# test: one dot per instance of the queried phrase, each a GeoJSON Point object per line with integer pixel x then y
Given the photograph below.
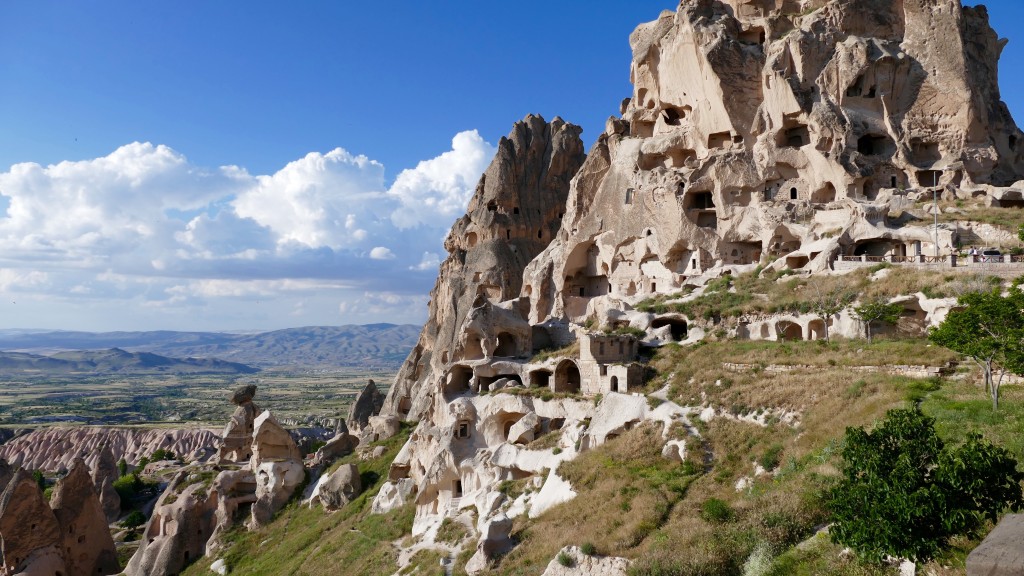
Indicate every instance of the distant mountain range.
{"type": "Point", "coordinates": [112, 362]}
{"type": "Point", "coordinates": [365, 346]}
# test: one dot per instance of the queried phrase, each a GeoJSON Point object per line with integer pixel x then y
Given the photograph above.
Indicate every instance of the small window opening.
{"type": "Point", "coordinates": [515, 210]}
{"type": "Point", "coordinates": [792, 193]}
{"type": "Point", "coordinates": [629, 195]}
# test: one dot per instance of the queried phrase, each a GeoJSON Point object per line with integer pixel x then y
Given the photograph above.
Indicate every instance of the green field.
{"type": "Point", "coordinates": [293, 396]}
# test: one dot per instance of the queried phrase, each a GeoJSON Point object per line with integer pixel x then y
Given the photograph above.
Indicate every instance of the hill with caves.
{"type": "Point", "coordinates": [626, 367]}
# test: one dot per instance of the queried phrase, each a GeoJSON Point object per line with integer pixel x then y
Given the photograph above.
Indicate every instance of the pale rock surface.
{"type": "Point", "coordinates": [393, 495]}
{"type": "Point", "coordinates": [87, 545]}
{"type": "Point", "coordinates": [555, 491]}
{"type": "Point", "coordinates": [583, 565]}
{"type": "Point", "coordinates": [366, 405]}
{"type": "Point", "coordinates": [340, 488]}
{"type": "Point", "coordinates": [236, 439]}
{"type": "Point", "coordinates": [494, 541]}
{"type": "Point", "coordinates": [54, 449]}
{"type": "Point", "coordinates": [341, 445]}
{"type": "Point", "coordinates": [1001, 552]}
{"type": "Point", "coordinates": [104, 474]}
{"type": "Point", "coordinates": [178, 530]}
{"type": "Point", "coordinates": [277, 464]}
{"type": "Point", "coordinates": [29, 528]}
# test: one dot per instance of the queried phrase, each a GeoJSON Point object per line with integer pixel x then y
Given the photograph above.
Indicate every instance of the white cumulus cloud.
{"type": "Point", "coordinates": [438, 190]}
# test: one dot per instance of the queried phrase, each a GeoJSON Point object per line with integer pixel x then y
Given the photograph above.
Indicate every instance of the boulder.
{"type": "Point", "coordinates": [87, 545]}
{"type": "Point", "coordinates": [366, 405]}
{"type": "Point", "coordinates": [341, 487]}
{"type": "Point", "coordinates": [494, 541]}
{"type": "Point", "coordinates": [393, 495]}
{"type": "Point", "coordinates": [341, 445]}
{"type": "Point", "coordinates": [384, 427]}
{"type": "Point", "coordinates": [29, 528]}
{"type": "Point", "coordinates": [243, 394]}
{"type": "Point", "coordinates": [582, 565]}
{"type": "Point", "coordinates": [522, 432]}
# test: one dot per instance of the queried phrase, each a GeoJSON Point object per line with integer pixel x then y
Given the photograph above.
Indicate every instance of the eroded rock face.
{"type": "Point", "coordinates": [31, 534]}
{"type": "Point", "coordinates": [104, 473]}
{"type": "Point", "coordinates": [277, 465]}
{"type": "Point", "coordinates": [516, 210]}
{"type": "Point", "coordinates": [182, 521]}
{"type": "Point", "coordinates": [341, 487]}
{"type": "Point", "coordinates": [87, 546]}
{"type": "Point", "coordinates": [366, 405]}
{"type": "Point", "coordinates": [236, 440]}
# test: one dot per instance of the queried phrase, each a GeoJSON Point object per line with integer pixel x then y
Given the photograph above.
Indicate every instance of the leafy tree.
{"type": "Point", "coordinates": [37, 475]}
{"type": "Point", "coordinates": [877, 310]}
{"type": "Point", "coordinates": [989, 329]}
{"type": "Point", "coordinates": [122, 467]}
{"type": "Point", "coordinates": [1020, 232]}
{"type": "Point", "coordinates": [904, 493]}
{"type": "Point", "coordinates": [134, 519]}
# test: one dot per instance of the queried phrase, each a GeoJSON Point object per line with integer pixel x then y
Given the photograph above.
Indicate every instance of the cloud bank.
{"type": "Point", "coordinates": [142, 238]}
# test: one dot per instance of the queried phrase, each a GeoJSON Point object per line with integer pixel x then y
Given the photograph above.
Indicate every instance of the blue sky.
{"type": "Point", "coordinates": [258, 165]}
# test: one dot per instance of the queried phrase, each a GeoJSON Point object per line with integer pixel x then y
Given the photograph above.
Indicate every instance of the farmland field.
{"type": "Point", "coordinates": [294, 397]}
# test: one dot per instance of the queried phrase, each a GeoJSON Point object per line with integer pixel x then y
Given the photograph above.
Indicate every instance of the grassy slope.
{"type": "Point", "coordinates": [633, 502]}
{"type": "Point", "coordinates": [302, 540]}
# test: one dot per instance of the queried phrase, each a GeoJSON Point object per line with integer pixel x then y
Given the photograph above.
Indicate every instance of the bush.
{"type": "Point", "coordinates": [905, 494]}
{"type": "Point", "coordinates": [588, 549]}
{"type": "Point", "coordinates": [134, 519]}
{"type": "Point", "coordinates": [716, 511]}
{"type": "Point", "coordinates": [565, 560]}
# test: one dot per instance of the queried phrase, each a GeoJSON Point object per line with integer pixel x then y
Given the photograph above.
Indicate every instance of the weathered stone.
{"type": "Point", "coordinates": [341, 445]}
{"type": "Point", "coordinates": [366, 405]}
{"type": "Point", "coordinates": [1001, 553]}
{"type": "Point", "coordinates": [243, 394]}
{"type": "Point", "coordinates": [277, 464]}
{"type": "Point", "coordinates": [236, 440]}
{"type": "Point", "coordinates": [494, 541]}
{"type": "Point", "coordinates": [28, 527]}
{"type": "Point", "coordinates": [177, 532]}
{"type": "Point", "coordinates": [581, 564]}
{"type": "Point", "coordinates": [87, 545]}
{"type": "Point", "coordinates": [341, 487]}
{"type": "Point", "coordinates": [515, 212]}
{"type": "Point", "coordinates": [104, 473]}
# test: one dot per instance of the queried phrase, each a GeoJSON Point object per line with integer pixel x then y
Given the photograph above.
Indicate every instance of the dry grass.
{"type": "Point", "coordinates": [772, 292]}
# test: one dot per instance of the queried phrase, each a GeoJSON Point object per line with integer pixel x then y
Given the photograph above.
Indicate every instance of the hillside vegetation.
{"type": "Point", "coordinates": [747, 499]}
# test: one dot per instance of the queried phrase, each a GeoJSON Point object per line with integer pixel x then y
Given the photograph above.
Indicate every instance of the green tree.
{"type": "Point", "coordinates": [989, 329]}
{"type": "Point", "coordinates": [904, 493]}
{"type": "Point", "coordinates": [827, 303]}
{"type": "Point", "coordinates": [37, 475]}
{"type": "Point", "coordinates": [1020, 232]}
{"type": "Point", "coordinates": [877, 310]}
{"type": "Point", "coordinates": [122, 467]}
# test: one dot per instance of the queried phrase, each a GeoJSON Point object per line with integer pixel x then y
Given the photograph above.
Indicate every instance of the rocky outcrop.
{"type": "Point", "coordinates": [277, 465]}
{"type": "Point", "coordinates": [31, 535]}
{"type": "Point", "coordinates": [236, 440]}
{"type": "Point", "coordinates": [342, 444]}
{"type": "Point", "coordinates": [86, 544]}
{"type": "Point", "coordinates": [182, 521]}
{"type": "Point", "coordinates": [514, 213]}
{"type": "Point", "coordinates": [104, 474]}
{"type": "Point", "coordinates": [366, 405]}
{"type": "Point", "coordinates": [55, 449]}
{"type": "Point", "coordinates": [340, 487]}
{"type": "Point", "coordinates": [580, 564]}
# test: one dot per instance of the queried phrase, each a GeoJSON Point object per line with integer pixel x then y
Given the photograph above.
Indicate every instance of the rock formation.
{"type": "Point", "coordinates": [71, 538]}
{"type": "Point", "coordinates": [514, 213]}
{"type": "Point", "coordinates": [86, 543]}
{"type": "Point", "coordinates": [340, 487]}
{"type": "Point", "coordinates": [366, 405]}
{"type": "Point", "coordinates": [55, 449]}
{"type": "Point", "coordinates": [277, 464]}
{"type": "Point", "coordinates": [104, 474]}
{"type": "Point", "coordinates": [794, 135]}
{"type": "Point", "coordinates": [182, 521]}
{"type": "Point", "coordinates": [236, 440]}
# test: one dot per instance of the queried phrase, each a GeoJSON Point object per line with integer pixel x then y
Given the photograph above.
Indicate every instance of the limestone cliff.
{"type": "Point", "coordinates": [514, 213]}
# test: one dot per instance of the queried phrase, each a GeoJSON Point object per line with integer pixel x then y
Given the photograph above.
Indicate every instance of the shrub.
{"type": "Point", "coordinates": [716, 511]}
{"type": "Point", "coordinates": [565, 560]}
{"type": "Point", "coordinates": [588, 548]}
{"type": "Point", "coordinates": [905, 494]}
{"type": "Point", "coordinates": [771, 457]}
{"type": "Point", "coordinates": [134, 519]}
